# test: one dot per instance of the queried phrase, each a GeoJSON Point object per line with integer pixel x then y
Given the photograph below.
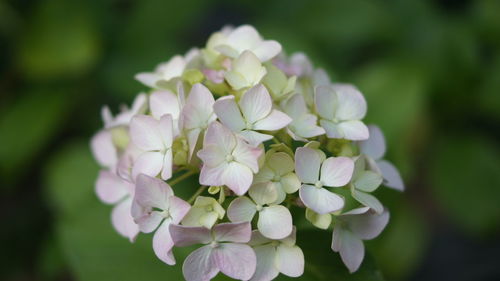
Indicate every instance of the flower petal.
{"type": "Point", "coordinates": [351, 248]}
{"type": "Point", "coordinates": [147, 78]}
{"type": "Point", "coordinates": [240, 232]}
{"type": "Point", "coordinates": [274, 121]}
{"type": "Point", "coordinates": [163, 244]}
{"type": "Point", "coordinates": [178, 208]}
{"type": "Point", "coordinates": [333, 131]}
{"type": "Point", "coordinates": [164, 102]}
{"type": "Point", "coordinates": [337, 171]}
{"type": "Point", "coordinates": [266, 269]}
{"type": "Point", "coordinates": [320, 200]}
{"type": "Point", "coordinates": [148, 163]}
{"type": "Point", "coordinates": [241, 209]}
{"type": "Point", "coordinates": [199, 265]}
{"type": "Point", "coordinates": [375, 145]}
{"type": "Point", "coordinates": [166, 172]}
{"type": "Point", "coordinates": [275, 222]}
{"type": "Point", "coordinates": [221, 136]}
{"type": "Point", "coordinates": [237, 177]}
{"type": "Point", "coordinates": [368, 181]}
{"type": "Point", "coordinates": [122, 220]}
{"type": "Point", "coordinates": [307, 163]}
{"type": "Point", "coordinates": [367, 226]}
{"type": "Point", "coordinates": [368, 200]}
{"type": "Point", "coordinates": [103, 149]}
{"type": "Point", "coordinates": [229, 114]}
{"type": "Point", "coordinates": [110, 188]}
{"type": "Point", "coordinates": [326, 102]}
{"type": "Point", "coordinates": [267, 50]}
{"type": "Point", "coordinates": [256, 104]}
{"type": "Point", "coordinates": [254, 138]}
{"type": "Point", "coordinates": [247, 155]}
{"type": "Point", "coordinates": [263, 193]}
{"type": "Point", "coordinates": [354, 130]}
{"type": "Point", "coordinates": [189, 235]}
{"type": "Point", "coordinates": [237, 261]}
{"type": "Point", "coordinates": [166, 130]}
{"type": "Point", "coordinates": [213, 175]}
{"type": "Point", "coordinates": [199, 107]}
{"type": "Point", "coordinates": [290, 183]}
{"type": "Point", "coordinates": [392, 178]}
{"type": "Point", "coordinates": [290, 260]}
{"type": "Point", "coordinates": [352, 104]}
{"type": "Point", "coordinates": [145, 133]}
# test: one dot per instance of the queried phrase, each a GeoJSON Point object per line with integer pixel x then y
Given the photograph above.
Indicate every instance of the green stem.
{"type": "Point", "coordinates": [276, 141]}
{"type": "Point", "coordinates": [196, 194]}
{"type": "Point", "coordinates": [181, 178]}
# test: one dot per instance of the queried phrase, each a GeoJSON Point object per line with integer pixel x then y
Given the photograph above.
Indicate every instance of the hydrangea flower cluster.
{"type": "Point", "coordinates": [264, 134]}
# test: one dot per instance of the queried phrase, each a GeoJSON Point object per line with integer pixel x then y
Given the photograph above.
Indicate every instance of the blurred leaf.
{"type": "Point", "coordinates": [465, 176]}
{"type": "Point", "coordinates": [61, 40]}
{"type": "Point", "coordinates": [26, 127]}
{"type": "Point", "coordinates": [489, 95]}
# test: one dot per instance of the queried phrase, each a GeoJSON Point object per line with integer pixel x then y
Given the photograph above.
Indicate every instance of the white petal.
{"type": "Point", "coordinates": [166, 129]}
{"type": "Point", "coordinates": [103, 149]}
{"type": "Point", "coordinates": [241, 209]}
{"type": "Point", "coordinates": [392, 178]}
{"type": "Point", "coordinates": [199, 265]}
{"type": "Point", "coordinates": [375, 145]}
{"type": "Point", "coordinates": [221, 136]}
{"type": "Point", "coordinates": [351, 248]}
{"type": "Point", "coordinates": [256, 104]}
{"type": "Point", "coordinates": [263, 193]}
{"type": "Point", "coordinates": [290, 183]}
{"type": "Point", "coordinates": [166, 172]}
{"type": "Point", "coordinates": [266, 269]}
{"type": "Point", "coordinates": [238, 177]}
{"type": "Point", "coordinates": [148, 163]}
{"type": "Point", "coordinates": [254, 138]}
{"type": "Point", "coordinates": [122, 220]}
{"type": "Point", "coordinates": [367, 226]}
{"type": "Point", "coordinates": [233, 232]}
{"type": "Point", "coordinates": [147, 78]}
{"type": "Point", "coordinates": [368, 200]}
{"type": "Point", "coordinates": [247, 155]}
{"type": "Point", "coordinates": [213, 175]}
{"type": "Point", "coordinates": [352, 104]}
{"type": "Point", "coordinates": [164, 102]}
{"type": "Point", "coordinates": [145, 133]}
{"type": "Point", "coordinates": [275, 222]}
{"type": "Point", "coordinates": [319, 221]}
{"type": "Point", "coordinates": [307, 164]}
{"type": "Point", "coordinates": [320, 200]}
{"type": "Point", "coordinates": [274, 121]}
{"type": "Point", "coordinates": [326, 102]}
{"type": "Point", "coordinates": [267, 50]}
{"type": "Point", "coordinates": [354, 130]}
{"type": "Point", "coordinates": [332, 130]}
{"type": "Point", "coordinates": [229, 114]}
{"type": "Point", "coordinates": [162, 244]}
{"type": "Point", "coordinates": [368, 181]}
{"type": "Point", "coordinates": [110, 188]}
{"type": "Point", "coordinates": [152, 192]}
{"type": "Point", "coordinates": [337, 171]}
{"type": "Point", "coordinates": [237, 261]}
{"type": "Point", "coordinates": [189, 235]}
{"type": "Point", "coordinates": [290, 260]}
{"type": "Point", "coordinates": [212, 155]}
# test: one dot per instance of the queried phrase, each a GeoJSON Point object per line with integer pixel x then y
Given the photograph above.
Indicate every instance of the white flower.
{"type": "Point", "coordinates": [278, 171]}
{"type": "Point", "coordinates": [304, 124]}
{"type": "Point", "coordinates": [374, 147]}
{"type": "Point", "coordinates": [246, 71]}
{"type": "Point", "coordinates": [335, 172]}
{"type": "Point", "coordinates": [154, 138]}
{"type": "Point", "coordinates": [253, 113]}
{"type": "Point", "coordinates": [275, 221]}
{"type": "Point", "coordinates": [353, 227]}
{"type": "Point", "coordinates": [341, 107]}
{"type": "Point", "coordinates": [205, 212]}
{"type": "Point", "coordinates": [227, 159]}
{"type": "Point", "coordinates": [123, 118]}
{"type": "Point", "coordinates": [245, 38]}
{"type": "Point", "coordinates": [163, 72]}
{"type": "Point", "coordinates": [197, 114]}
{"type": "Point", "coordinates": [363, 182]}
{"type": "Point", "coordinates": [275, 256]}
{"type": "Point", "coordinates": [162, 102]}
{"type": "Point", "coordinates": [154, 208]}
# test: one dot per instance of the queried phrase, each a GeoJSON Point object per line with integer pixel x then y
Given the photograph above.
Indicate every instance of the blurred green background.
{"type": "Point", "coordinates": [430, 71]}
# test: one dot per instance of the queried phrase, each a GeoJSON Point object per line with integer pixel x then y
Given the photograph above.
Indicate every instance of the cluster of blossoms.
{"type": "Point", "coordinates": [264, 134]}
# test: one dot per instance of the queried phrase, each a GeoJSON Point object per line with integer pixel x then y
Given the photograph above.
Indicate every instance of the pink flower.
{"type": "Point", "coordinates": [227, 159]}
{"type": "Point", "coordinates": [225, 251]}
{"type": "Point", "coordinates": [335, 172]}
{"type": "Point", "coordinates": [154, 208]}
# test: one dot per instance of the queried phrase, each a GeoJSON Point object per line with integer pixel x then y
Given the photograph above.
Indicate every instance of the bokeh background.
{"type": "Point", "coordinates": [430, 71]}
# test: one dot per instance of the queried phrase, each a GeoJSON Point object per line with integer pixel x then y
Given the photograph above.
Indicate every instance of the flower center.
{"type": "Point", "coordinates": [209, 208]}
{"type": "Point", "coordinates": [259, 208]}
{"type": "Point", "coordinates": [335, 120]}
{"type": "Point", "coordinates": [318, 184]}
{"type": "Point", "coordinates": [165, 214]}
{"type": "Point", "coordinates": [214, 244]}
{"type": "Point", "coordinates": [276, 178]}
{"type": "Point", "coordinates": [229, 158]}
{"type": "Point", "coordinates": [249, 126]}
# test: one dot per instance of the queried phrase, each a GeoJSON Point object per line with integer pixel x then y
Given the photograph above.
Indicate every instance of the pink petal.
{"type": "Point", "coordinates": [238, 177]}
{"type": "Point", "coordinates": [266, 269]}
{"type": "Point", "coordinates": [189, 235]}
{"type": "Point", "coordinates": [164, 102]}
{"type": "Point", "coordinates": [290, 260]}
{"type": "Point", "coordinates": [212, 155]}
{"type": "Point", "coordinates": [274, 121]}
{"type": "Point", "coordinates": [241, 209]}
{"type": "Point", "coordinates": [199, 107]}
{"type": "Point", "coordinates": [221, 136]}
{"type": "Point", "coordinates": [145, 134]}
{"type": "Point", "coordinates": [254, 138]}
{"type": "Point", "coordinates": [178, 209]}
{"type": "Point", "coordinates": [326, 102]}
{"type": "Point", "coordinates": [199, 265]}
{"type": "Point", "coordinates": [165, 128]}
{"type": "Point", "coordinates": [163, 244]}
{"type": "Point", "coordinates": [103, 149]}
{"type": "Point", "coordinates": [275, 222]}
{"type": "Point", "coordinates": [122, 220]}
{"type": "Point", "coordinates": [256, 104]}
{"type": "Point", "coordinates": [392, 178]}
{"type": "Point", "coordinates": [307, 163]}
{"type": "Point", "coordinates": [229, 114]}
{"type": "Point", "coordinates": [148, 163]}
{"type": "Point", "coordinates": [237, 261]}
{"type": "Point", "coordinates": [351, 248]}
{"type": "Point", "coordinates": [240, 232]}
{"type": "Point", "coordinates": [213, 175]}
{"type": "Point", "coordinates": [247, 155]}
{"type": "Point", "coordinates": [152, 192]}
{"type": "Point", "coordinates": [367, 226]}
{"type": "Point", "coordinates": [166, 172]}
{"type": "Point", "coordinates": [354, 130]}
{"type": "Point", "coordinates": [320, 200]}
{"type": "Point", "coordinates": [375, 145]}
{"type": "Point", "coordinates": [352, 104]}
{"type": "Point", "coordinates": [337, 171]}
{"type": "Point", "coordinates": [110, 188]}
